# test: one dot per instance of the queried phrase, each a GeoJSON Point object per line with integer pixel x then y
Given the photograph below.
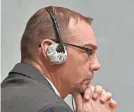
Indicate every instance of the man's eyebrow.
{"type": "Point", "coordinates": [91, 45]}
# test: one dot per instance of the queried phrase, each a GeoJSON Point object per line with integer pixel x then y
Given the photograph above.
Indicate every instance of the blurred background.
{"type": "Point", "coordinates": [114, 28]}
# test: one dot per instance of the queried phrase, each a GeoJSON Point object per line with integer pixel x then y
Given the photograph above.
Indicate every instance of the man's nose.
{"type": "Point", "coordinates": [95, 65]}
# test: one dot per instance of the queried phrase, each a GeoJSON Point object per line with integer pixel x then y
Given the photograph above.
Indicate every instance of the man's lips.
{"type": "Point", "coordinates": [91, 77]}
{"type": "Point", "coordinates": [87, 81]}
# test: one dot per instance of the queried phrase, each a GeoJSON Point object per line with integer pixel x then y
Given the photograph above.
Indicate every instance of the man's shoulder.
{"type": "Point", "coordinates": [21, 93]}
{"type": "Point", "coordinates": [23, 86]}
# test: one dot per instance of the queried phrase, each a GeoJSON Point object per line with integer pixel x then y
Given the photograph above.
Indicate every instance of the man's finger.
{"type": "Point", "coordinates": [113, 104]}
{"type": "Point", "coordinates": [78, 100]}
{"type": "Point", "coordinates": [88, 93]}
{"type": "Point", "coordinates": [97, 92]}
{"type": "Point", "coordinates": [105, 97]}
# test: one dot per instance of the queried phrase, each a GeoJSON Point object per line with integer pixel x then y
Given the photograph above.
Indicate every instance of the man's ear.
{"type": "Point", "coordinates": [44, 46]}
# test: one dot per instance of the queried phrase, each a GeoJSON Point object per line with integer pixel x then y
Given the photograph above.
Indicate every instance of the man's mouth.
{"type": "Point", "coordinates": [87, 81]}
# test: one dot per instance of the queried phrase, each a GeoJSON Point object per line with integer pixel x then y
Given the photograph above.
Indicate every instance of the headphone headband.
{"type": "Point", "coordinates": [60, 48]}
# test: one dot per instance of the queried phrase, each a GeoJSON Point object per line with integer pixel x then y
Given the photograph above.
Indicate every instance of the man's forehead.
{"type": "Point", "coordinates": [83, 34]}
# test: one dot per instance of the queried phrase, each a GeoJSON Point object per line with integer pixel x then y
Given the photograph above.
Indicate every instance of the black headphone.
{"type": "Point", "coordinates": [56, 52]}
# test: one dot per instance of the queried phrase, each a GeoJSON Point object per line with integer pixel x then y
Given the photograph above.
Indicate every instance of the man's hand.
{"type": "Point", "coordinates": [99, 92]}
{"type": "Point", "coordinates": [95, 99]}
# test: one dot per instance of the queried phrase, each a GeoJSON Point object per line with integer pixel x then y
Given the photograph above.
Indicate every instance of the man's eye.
{"type": "Point", "coordinates": [90, 51]}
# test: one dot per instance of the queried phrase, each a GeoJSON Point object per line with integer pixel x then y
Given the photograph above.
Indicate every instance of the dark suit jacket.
{"type": "Point", "coordinates": [26, 90]}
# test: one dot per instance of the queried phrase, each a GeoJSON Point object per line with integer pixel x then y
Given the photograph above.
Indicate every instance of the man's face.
{"type": "Point", "coordinates": [80, 67]}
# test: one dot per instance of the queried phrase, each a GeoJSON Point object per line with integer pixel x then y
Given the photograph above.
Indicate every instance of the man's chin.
{"type": "Point", "coordinates": [82, 89]}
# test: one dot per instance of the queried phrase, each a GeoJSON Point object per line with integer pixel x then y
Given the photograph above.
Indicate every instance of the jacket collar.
{"type": "Point", "coordinates": [31, 72]}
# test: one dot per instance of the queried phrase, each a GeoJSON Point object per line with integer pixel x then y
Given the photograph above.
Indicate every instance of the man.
{"type": "Point", "coordinates": [58, 57]}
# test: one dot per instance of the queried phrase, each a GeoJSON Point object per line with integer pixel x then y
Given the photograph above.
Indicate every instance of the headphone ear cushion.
{"type": "Point", "coordinates": [54, 56]}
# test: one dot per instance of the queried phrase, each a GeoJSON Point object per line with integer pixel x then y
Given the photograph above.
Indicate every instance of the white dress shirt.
{"type": "Point", "coordinates": [56, 91]}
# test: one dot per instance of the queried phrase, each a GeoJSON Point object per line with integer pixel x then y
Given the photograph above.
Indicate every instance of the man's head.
{"type": "Point", "coordinates": [77, 71]}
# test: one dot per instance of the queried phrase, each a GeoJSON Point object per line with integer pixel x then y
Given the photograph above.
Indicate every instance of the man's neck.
{"type": "Point", "coordinates": [52, 76]}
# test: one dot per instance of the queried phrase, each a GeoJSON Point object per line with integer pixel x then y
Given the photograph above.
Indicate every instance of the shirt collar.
{"type": "Point", "coordinates": [56, 91]}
